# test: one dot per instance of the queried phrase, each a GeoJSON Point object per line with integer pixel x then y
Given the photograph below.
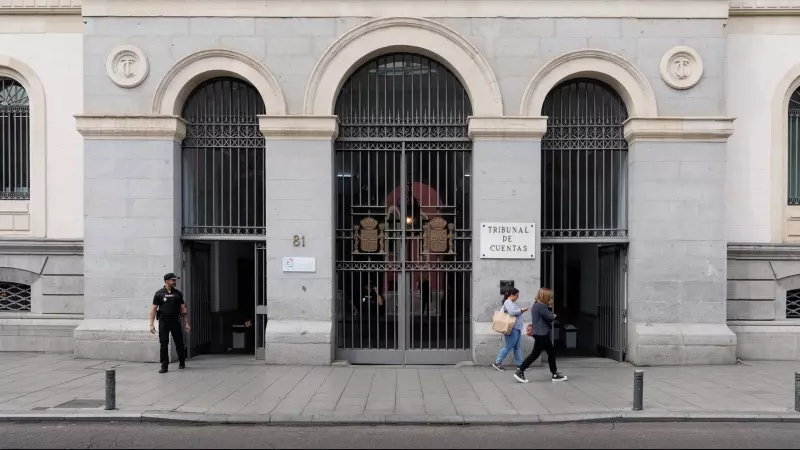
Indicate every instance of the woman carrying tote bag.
{"type": "Point", "coordinates": [513, 338]}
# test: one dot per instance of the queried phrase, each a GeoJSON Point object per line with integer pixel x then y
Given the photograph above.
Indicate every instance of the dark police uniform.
{"type": "Point", "coordinates": [169, 322]}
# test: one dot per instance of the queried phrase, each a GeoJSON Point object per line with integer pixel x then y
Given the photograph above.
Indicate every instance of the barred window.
{"type": "Point", "coordinates": [14, 140]}
{"type": "Point", "coordinates": [794, 148]}
{"type": "Point", "coordinates": [14, 297]}
{"type": "Point", "coordinates": [793, 304]}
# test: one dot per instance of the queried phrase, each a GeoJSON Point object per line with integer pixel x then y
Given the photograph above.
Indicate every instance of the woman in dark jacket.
{"type": "Point", "coordinates": [542, 321]}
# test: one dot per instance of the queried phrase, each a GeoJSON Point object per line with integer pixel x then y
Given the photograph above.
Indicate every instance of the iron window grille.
{"type": "Point", "coordinates": [584, 163]}
{"type": "Point", "coordinates": [793, 304]}
{"type": "Point", "coordinates": [15, 297]}
{"type": "Point", "coordinates": [14, 141]}
{"type": "Point", "coordinates": [223, 161]}
{"type": "Point", "coordinates": [793, 184]}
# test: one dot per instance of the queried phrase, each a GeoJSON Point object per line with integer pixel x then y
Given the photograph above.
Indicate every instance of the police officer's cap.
{"type": "Point", "coordinates": [170, 276]}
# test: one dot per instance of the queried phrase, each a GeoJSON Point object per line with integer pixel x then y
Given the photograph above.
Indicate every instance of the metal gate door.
{"type": "Point", "coordinates": [403, 234]}
{"type": "Point", "coordinates": [198, 297]}
{"type": "Point", "coordinates": [611, 308]}
{"type": "Point", "coordinates": [261, 297]}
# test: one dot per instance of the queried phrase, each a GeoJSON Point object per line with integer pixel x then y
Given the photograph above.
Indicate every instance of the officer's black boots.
{"type": "Point", "coordinates": [163, 369]}
{"type": "Point", "coordinates": [182, 366]}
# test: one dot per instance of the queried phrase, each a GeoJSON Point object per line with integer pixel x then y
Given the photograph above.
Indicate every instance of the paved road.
{"type": "Point", "coordinates": [680, 435]}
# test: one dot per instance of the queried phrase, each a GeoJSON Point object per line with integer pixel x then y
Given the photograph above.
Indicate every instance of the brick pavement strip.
{"type": "Point", "coordinates": [231, 390]}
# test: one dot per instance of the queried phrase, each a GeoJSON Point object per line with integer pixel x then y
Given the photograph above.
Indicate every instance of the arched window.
{"type": "Point", "coordinates": [794, 149]}
{"type": "Point", "coordinates": [223, 160]}
{"type": "Point", "coordinates": [14, 297]}
{"type": "Point", "coordinates": [584, 163]}
{"type": "Point", "coordinates": [14, 140]}
{"type": "Point", "coordinates": [793, 304]}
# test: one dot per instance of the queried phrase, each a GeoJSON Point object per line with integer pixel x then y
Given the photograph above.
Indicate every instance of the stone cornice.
{"type": "Point", "coordinates": [653, 9]}
{"type": "Point", "coordinates": [299, 127]}
{"type": "Point", "coordinates": [507, 128]}
{"type": "Point", "coordinates": [21, 246]}
{"type": "Point", "coordinates": [781, 252]}
{"type": "Point", "coordinates": [131, 127]}
{"type": "Point", "coordinates": [670, 129]}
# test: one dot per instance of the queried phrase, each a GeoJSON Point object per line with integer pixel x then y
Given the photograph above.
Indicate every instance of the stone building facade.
{"type": "Point", "coordinates": [360, 154]}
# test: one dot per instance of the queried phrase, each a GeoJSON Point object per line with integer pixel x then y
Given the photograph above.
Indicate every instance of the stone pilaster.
{"type": "Point", "coordinates": [299, 161]}
{"type": "Point", "coordinates": [131, 230]}
{"type": "Point", "coordinates": [506, 186]}
{"type": "Point", "coordinates": [677, 256]}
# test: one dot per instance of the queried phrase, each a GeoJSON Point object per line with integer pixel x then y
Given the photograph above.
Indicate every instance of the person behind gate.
{"type": "Point", "coordinates": [168, 307]}
{"type": "Point", "coordinates": [513, 341]}
{"type": "Point", "coordinates": [542, 322]}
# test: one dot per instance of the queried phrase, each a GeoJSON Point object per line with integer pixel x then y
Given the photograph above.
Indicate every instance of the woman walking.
{"type": "Point", "coordinates": [513, 341]}
{"type": "Point", "coordinates": [542, 321]}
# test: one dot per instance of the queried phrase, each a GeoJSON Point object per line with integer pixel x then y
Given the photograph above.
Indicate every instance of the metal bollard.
{"type": "Point", "coordinates": [111, 389]}
{"type": "Point", "coordinates": [797, 391]}
{"type": "Point", "coordinates": [638, 390]}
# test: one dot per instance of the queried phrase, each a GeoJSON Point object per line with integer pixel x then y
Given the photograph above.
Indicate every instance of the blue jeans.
{"type": "Point", "coordinates": [513, 342]}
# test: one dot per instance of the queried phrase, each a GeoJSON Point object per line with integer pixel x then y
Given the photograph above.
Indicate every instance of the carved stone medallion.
{"type": "Point", "coordinates": [681, 68]}
{"type": "Point", "coordinates": [127, 66]}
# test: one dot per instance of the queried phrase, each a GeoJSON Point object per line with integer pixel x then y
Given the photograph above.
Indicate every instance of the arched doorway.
{"type": "Point", "coordinates": [403, 214]}
{"type": "Point", "coordinates": [584, 215]}
{"type": "Point", "coordinates": [223, 217]}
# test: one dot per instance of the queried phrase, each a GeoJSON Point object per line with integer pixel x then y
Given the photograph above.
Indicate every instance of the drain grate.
{"type": "Point", "coordinates": [82, 403]}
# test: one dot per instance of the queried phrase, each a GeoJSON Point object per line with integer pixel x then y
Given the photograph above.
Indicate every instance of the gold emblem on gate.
{"type": "Point", "coordinates": [369, 237]}
{"type": "Point", "coordinates": [437, 237]}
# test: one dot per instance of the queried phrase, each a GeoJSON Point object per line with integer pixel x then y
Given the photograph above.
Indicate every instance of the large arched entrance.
{"type": "Point", "coordinates": [223, 217]}
{"type": "Point", "coordinates": [584, 215]}
{"type": "Point", "coordinates": [403, 201]}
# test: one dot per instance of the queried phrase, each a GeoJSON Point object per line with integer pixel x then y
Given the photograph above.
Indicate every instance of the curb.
{"type": "Point", "coordinates": [394, 420]}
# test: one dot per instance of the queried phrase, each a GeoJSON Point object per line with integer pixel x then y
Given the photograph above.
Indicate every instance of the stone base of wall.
{"type": "Point", "coordinates": [487, 343]}
{"type": "Point", "coordinates": [117, 340]}
{"type": "Point", "coordinates": [37, 333]}
{"type": "Point", "coordinates": [54, 271]}
{"type": "Point", "coordinates": [767, 340]}
{"type": "Point", "coordinates": [759, 276]}
{"type": "Point", "coordinates": [297, 342]}
{"type": "Point", "coordinates": [680, 344]}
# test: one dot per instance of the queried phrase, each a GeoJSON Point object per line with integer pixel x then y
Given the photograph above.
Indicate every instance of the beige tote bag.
{"type": "Point", "coordinates": [503, 322]}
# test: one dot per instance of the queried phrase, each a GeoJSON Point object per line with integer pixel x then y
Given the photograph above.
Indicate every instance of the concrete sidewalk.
{"type": "Point", "coordinates": [239, 390]}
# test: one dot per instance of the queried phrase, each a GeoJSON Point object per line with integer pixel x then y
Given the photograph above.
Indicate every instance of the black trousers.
{"type": "Point", "coordinates": [171, 325]}
{"type": "Point", "coordinates": [541, 344]}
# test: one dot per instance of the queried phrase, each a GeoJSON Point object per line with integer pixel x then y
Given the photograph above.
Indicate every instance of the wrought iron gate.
{"type": "Point", "coordinates": [223, 162]}
{"type": "Point", "coordinates": [261, 297]}
{"type": "Point", "coordinates": [198, 297]}
{"type": "Point", "coordinates": [403, 234]}
{"type": "Point", "coordinates": [611, 309]}
{"type": "Point", "coordinates": [584, 164]}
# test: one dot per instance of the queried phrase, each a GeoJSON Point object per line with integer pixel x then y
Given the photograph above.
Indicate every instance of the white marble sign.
{"type": "Point", "coordinates": [299, 264]}
{"type": "Point", "coordinates": [501, 240]}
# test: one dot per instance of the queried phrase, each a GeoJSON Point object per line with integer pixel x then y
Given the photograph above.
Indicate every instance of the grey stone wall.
{"type": "Point", "coordinates": [54, 270]}
{"type": "Point", "coordinates": [132, 230]}
{"type": "Point", "coordinates": [677, 257]}
{"type": "Point", "coordinates": [506, 187]}
{"type": "Point", "coordinates": [515, 49]}
{"type": "Point", "coordinates": [299, 202]}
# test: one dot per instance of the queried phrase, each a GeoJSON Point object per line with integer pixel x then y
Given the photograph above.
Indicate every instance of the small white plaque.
{"type": "Point", "coordinates": [501, 240]}
{"type": "Point", "coordinates": [299, 264]}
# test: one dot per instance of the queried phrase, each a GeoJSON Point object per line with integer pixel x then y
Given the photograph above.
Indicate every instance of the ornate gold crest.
{"type": "Point", "coordinates": [369, 237]}
{"type": "Point", "coordinates": [437, 236]}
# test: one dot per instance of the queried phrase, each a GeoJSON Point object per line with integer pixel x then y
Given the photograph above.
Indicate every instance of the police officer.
{"type": "Point", "coordinates": [168, 306]}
